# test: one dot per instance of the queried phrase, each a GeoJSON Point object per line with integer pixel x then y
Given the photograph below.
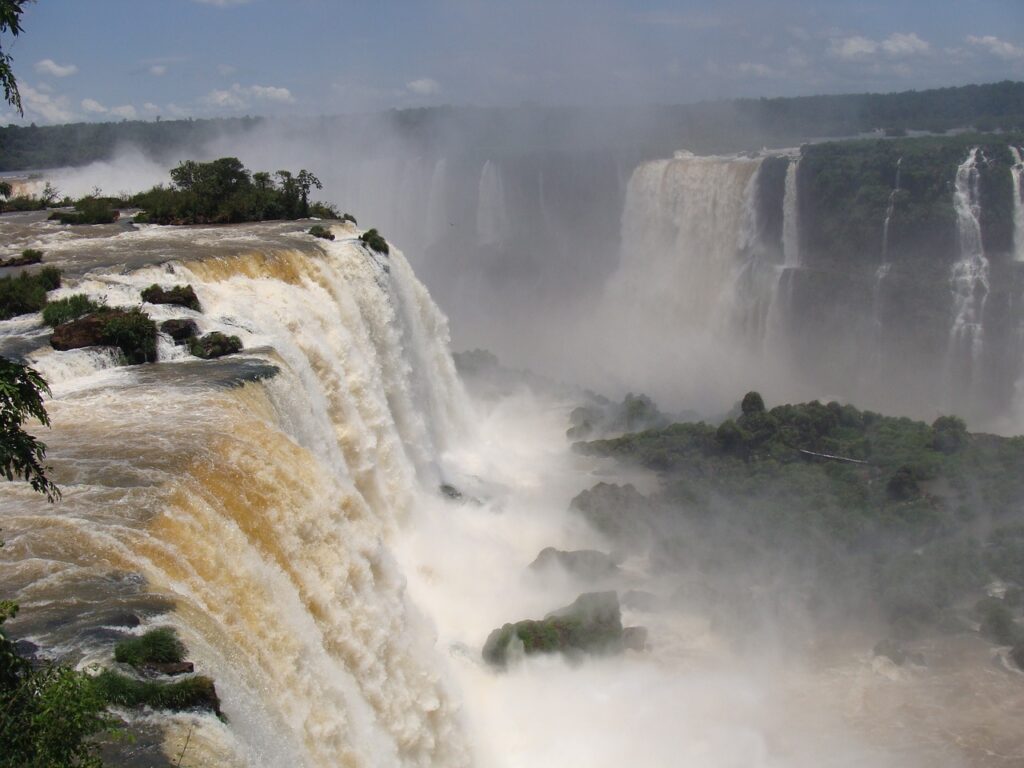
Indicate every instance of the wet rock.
{"type": "Point", "coordinates": [1017, 654]}
{"type": "Point", "coordinates": [214, 345]}
{"type": "Point", "coordinates": [584, 563]}
{"type": "Point", "coordinates": [180, 295]}
{"type": "Point", "coordinates": [84, 332]}
{"type": "Point", "coordinates": [634, 638]}
{"type": "Point", "coordinates": [26, 649]}
{"type": "Point", "coordinates": [180, 330]}
{"type": "Point", "coordinates": [450, 491]}
{"type": "Point", "coordinates": [169, 669]}
{"type": "Point", "coordinates": [592, 624]}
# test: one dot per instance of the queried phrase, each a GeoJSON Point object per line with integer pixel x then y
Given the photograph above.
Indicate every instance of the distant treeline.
{"type": "Point", "coordinates": [645, 131]}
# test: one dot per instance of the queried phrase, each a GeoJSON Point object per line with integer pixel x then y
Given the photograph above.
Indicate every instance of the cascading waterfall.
{"type": "Point", "coordinates": [1017, 173]}
{"type": "Point", "coordinates": [970, 275]}
{"type": "Point", "coordinates": [261, 511]}
{"type": "Point", "coordinates": [888, 213]}
{"type": "Point", "coordinates": [492, 224]}
{"type": "Point", "coordinates": [791, 217]}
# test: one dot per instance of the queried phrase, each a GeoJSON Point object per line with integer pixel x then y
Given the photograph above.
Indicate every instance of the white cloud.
{"type": "Point", "coordinates": [127, 111]}
{"type": "Point", "coordinates": [50, 109]}
{"type": "Point", "coordinates": [239, 96]}
{"type": "Point", "coordinates": [158, 70]}
{"type": "Point", "coordinates": [424, 86]}
{"type": "Point", "coordinates": [149, 106]}
{"type": "Point", "coordinates": [896, 45]}
{"type": "Point", "coordinates": [52, 68]}
{"type": "Point", "coordinates": [91, 105]}
{"type": "Point", "coordinates": [900, 44]}
{"type": "Point", "coordinates": [1000, 48]}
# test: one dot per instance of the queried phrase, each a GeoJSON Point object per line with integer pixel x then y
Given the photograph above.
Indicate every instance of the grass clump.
{"type": "Point", "coordinates": [157, 646]}
{"type": "Point", "coordinates": [28, 256]}
{"type": "Point", "coordinates": [180, 295]}
{"type": "Point", "coordinates": [25, 293]}
{"type": "Point", "coordinates": [65, 310]}
{"type": "Point", "coordinates": [192, 693]}
{"type": "Point", "coordinates": [133, 333]}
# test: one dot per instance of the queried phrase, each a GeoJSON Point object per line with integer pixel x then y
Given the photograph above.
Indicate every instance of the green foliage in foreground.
{"type": "Point", "coordinates": [67, 309]}
{"type": "Point", "coordinates": [48, 713]}
{"type": "Point", "coordinates": [157, 646]}
{"type": "Point", "coordinates": [21, 454]}
{"type": "Point", "coordinates": [375, 241]}
{"type": "Point", "coordinates": [25, 292]}
{"type": "Point", "coordinates": [885, 507]}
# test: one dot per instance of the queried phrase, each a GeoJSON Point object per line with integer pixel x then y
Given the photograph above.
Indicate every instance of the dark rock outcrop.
{"type": "Point", "coordinates": [215, 344]}
{"type": "Point", "coordinates": [129, 330]}
{"type": "Point", "coordinates": [180, 295]}
{"type": "Point", "coordinates": [584, 563]}
{"type": "Point", "coordinates": [620, 512]}
{"type": "Point", "coordinates": [180, 329]}
{"type": "Point", "coordinates": [592, 624]}
{"type": "Point", "coordinates": [169, 668]}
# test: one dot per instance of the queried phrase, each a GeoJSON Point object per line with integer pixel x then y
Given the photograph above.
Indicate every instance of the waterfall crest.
{"type": "Point", "coordinates": [263, 509]}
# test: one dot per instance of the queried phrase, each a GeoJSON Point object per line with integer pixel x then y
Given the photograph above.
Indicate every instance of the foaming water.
{"type": "Point", "coordinates": [260, 508]}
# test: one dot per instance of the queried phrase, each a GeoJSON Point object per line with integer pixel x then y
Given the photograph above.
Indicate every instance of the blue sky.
{"type": "Point", "coordinates": [115, 59]}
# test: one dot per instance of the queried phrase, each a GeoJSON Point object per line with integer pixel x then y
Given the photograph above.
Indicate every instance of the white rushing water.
{"type": "Point", "coordinates": [1017, 174]}
{"type": "Point", "coordinates": [791, 217]}
{"type": "Point", "coordinates": [492, 224]}
{"type": "Point", "coordinates": [970, 274]}
{"type": "Point", "coordinates": [264, 512]}
{"type": "Point", "coordinates": [889, 210]}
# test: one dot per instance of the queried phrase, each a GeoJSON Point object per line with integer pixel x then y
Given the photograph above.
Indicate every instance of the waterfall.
{"type": "Point", "coordinates": [791, 217]}
{"type": "Point", "coordinates": [1017, 172]}
{"type": "Point", "coordinates": [262, 509]}
{"type": "Point", "coordinates": [969, 279]}
{"type": "Point", "coordinates": [492, 224]}
{"type": "Point", "coordinates": [888, 213]}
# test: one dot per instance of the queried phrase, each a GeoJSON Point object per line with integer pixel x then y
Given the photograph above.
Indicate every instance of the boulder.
{"type": "Point", "coordinates": [215, 344]}
{"type": "Point", "coordinates": [180, 329]}
{"type": "Point", "coordinates": [129, 330]}
{"type": "Point", "coordinates": [584, 563]}
{"type": "Point", "coordinates": [169, 668]}
{"type": "Point", "coordinates": [84, 332]}
{"type": "Point", "coordinates": [180, 295]}
{"type": "Point", "coordinates": [592, 624]}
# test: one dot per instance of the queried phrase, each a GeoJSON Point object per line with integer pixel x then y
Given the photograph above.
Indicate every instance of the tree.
{"type": "Point", "coordinates": [306, 181]}
{"type": "Point", "coordinates": [10, 21]}
{"type": "Point", "coordinates": [21, 454]}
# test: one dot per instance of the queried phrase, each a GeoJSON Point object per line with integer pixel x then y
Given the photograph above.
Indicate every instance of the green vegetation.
{"type": "Point", "coordinates": [25, 292]}
{"type": "Point", "coordinates": [886, 501]}
{"type": "Point", "coordinates": [375, 241]}
{"type": "Point", "coordinates": [65, 310]}
{"type": "Point", "coordinates": [845, 189]}
{"type": "Point", "coordinates": [180, 295]}
{"type": "Point", "coordinates": [157, 646]}
{"type": "Point", "coordinates": [48, 713]}
{"type": "Point", "coordinates": [215, 344]}
{"type": "Point", "coordinates": [322, 232]}
{"type": "Point", "coordinates": [21, 399]}
{"type": "Point", "coordinates": [132, 332]}
{"type": "Point", "coordinates": [89, 210]}
{"type": "Point", "coordinates": [224, 191]}
{"type": "Point", "coordinates": [191, 693]}
{"type": "Point", "coordinates": [592, 624]}
{"type": "Point", "coordinates": [28, 256]}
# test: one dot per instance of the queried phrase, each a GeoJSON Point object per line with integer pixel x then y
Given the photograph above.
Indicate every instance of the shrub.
{"type": "Point", "coordinates": [180, 295]}
{"type": "Point", "coordinates": [215, 344]}
{"type": "Point", "coordinates": [349, 217]}
{"type": "Point", "coordinates": [134, 333]}
{"type": "Point", "coordinates": [752, 403]}
{"type": "Point", "coordinates": [88, 210]}
{"type": "Point", "coordinates": [157, 646]}
{"type": "Point", "coordinates": [65, 310]}
{"type": "Point", "coordinates": [322, 232]}
{"type": "Point", "coordinates": [24, 203]}
{"type": "Point", "coordinates": [25, 293]}
{"type": "Point", "coordinates": [949, 434]}
{"type": "Point", "coordinates": [373, 240]}
{"type": "Point", "coordinates": [323, 211]}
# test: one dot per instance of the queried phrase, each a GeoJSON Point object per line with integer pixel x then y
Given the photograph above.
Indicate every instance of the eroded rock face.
{"type": "Point", "coordinates": [131, 331]}
{"type": "Point", "coordinates": [620, 512]}
{"type": "Point", "coordinates": [592, 624]}
{"type": "Point", "coordinates": [583, 563]}
{"type": "Point", "coordinates": [84, 332]}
